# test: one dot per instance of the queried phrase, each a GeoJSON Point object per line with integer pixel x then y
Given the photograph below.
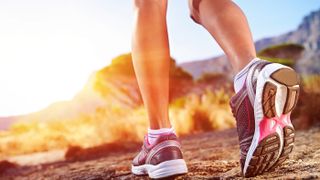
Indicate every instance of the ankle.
{"type": "Point", "coordinates": [241, 76]}
{"type": "Point", "coordinates": [154, 134]}
{"type": "Point", "coordinates": [159, 123]}
{"type": "Point", "coordinates": [242, 62]}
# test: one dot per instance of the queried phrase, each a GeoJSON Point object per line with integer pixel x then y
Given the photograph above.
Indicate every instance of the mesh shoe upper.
{"type": "Point", "coordinates": [165, 148]}
{"type": "Point", "coordinates": [244, 115]}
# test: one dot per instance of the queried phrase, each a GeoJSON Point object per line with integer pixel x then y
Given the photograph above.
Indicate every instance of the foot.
{"type": "Point", "coordinates": [262, 110]}
{"type": "Point", "coordinates": [161, 159]}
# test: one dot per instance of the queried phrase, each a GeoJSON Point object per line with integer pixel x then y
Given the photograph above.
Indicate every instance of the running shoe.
{"type": "Point", "coordinates": [262, 110]}
{"type": "Point", "coordinates": [161, 159]}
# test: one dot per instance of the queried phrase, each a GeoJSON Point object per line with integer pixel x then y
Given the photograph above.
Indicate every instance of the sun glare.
{"type": "Point", "coordinates": [38, 73]}
{"type": "Point", "coordinates": [48, 51]}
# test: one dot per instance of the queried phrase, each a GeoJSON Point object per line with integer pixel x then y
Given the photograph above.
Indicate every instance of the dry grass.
{"type": "Point", "coordinates": [307, 112]}
{"type": "Point", "coordinates": [209, 111]}
{"type": "Point", "coordinates": [311, 83]}
{"type": "Point", "coordinates": [189, 114]}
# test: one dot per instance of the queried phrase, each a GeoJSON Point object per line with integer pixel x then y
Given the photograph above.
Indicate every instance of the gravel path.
{"type": "Point", "coordinates": [212, 155]}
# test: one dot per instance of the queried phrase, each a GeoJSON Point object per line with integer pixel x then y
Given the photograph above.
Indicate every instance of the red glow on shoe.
{"type": "Point", "coordinates": [269, 125]}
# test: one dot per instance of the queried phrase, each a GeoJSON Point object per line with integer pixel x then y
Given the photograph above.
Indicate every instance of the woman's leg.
{"type": "Point", "coordinates": [258, 129]}
{"type": "Point", "coordinates": [228, 25]}
{"type": "Point", "coordinates": [151, 59]}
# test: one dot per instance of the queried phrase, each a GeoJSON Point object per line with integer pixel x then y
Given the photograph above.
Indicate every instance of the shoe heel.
{"type": "Point", "coordinates": [168, 168]}
{"type": "Point", "coordinates": [280, 94]}
{"type": "Point", "coordinates": [280, 97]}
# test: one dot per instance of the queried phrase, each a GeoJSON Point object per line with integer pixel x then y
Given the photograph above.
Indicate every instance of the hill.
{"type": "Point", "coordinates": [109, 108]}
{"type": "Point", "coordinates": [112, 86]}
{"type": "Point", "coordinates": [307, 35]}
{"type": "Point", "coordinates": [218, 65]}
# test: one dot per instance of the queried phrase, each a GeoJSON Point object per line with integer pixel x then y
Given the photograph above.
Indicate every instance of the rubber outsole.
{"type": "Point", "coordinates": [264, 155]}
{"type": "Point", "coordinates": [272, 150]}
{"type": "Point", "coordinates": [165, 169]}
{"type": "Point", "coordinates": [289, 138]}
{"type": "Point", "coordinates": [289, 79]}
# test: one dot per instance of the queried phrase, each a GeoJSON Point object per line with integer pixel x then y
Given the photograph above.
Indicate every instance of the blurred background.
{"type": "Point", "coordinates": [66, 75]}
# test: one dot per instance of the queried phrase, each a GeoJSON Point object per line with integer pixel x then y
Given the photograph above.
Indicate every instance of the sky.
{"type": "Point", "coordinates": [48, 49]}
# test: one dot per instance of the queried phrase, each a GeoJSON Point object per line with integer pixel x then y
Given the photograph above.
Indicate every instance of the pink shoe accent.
{"type": "Point", "coordinates": [285, 120]}
{"type": "Point", "coordinates": [269, 125]}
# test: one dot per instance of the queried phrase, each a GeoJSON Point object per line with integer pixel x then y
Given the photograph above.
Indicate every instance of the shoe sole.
{"type": "Point", "coordinates": [161, 170]}
{"type": "Point", "coordinates": [276, 96]}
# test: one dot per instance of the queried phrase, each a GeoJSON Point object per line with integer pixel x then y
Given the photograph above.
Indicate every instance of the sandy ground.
{"type": "Point", "coordinates": [212, 155]}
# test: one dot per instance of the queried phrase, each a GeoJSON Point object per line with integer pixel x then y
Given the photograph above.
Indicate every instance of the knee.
{"type": "Point", "coordinates": [194, 10]}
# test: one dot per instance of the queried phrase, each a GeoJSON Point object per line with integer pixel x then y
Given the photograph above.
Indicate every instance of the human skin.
{"type": "Point", "coordinates": [227, 24]}
{"type": "Point", "coordinates": [151, 59]}
{"type": "Point", "coordinates": [223, 19]}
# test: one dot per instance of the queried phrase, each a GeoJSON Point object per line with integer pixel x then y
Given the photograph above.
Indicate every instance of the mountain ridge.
{"type": "Point", "coordinates": [307, 34]}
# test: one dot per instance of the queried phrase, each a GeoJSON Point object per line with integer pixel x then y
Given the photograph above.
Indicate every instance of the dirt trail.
{"type": "Point", "coordinates": [211, 155]}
